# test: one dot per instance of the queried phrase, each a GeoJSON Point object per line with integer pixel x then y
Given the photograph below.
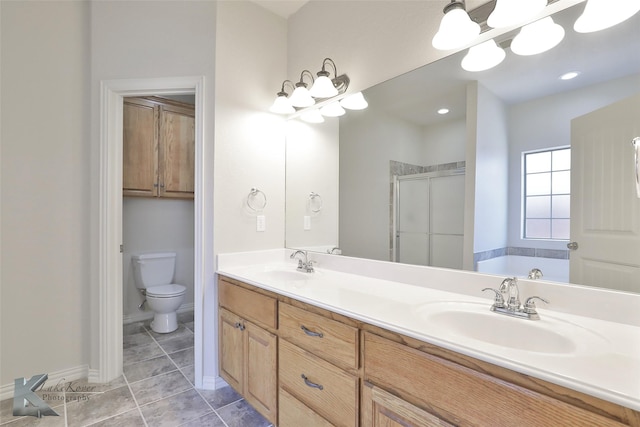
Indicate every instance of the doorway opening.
{"type": "Point", "coordinates": [108, 317]}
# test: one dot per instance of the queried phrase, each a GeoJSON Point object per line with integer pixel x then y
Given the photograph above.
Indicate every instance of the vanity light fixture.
{"type": "Point", "coordinates": [301, 97]}
{"type": "Point", "coordinates": [483, 56]}
{"type": "Point", "coordinates": [537, 37]}
{"type": "Point", "coordinates": [312, 116]}
{"type": "Point", "coordinates": [282, 104]}
{"type": "Point", "coordinates": [514, 12]}
{"type": "Point", "coordinates": [456, 28]}
{"type": "Point", "coordinates": [332, 110]}
{"type": "Point", "coordinates": [354, 101]}
{"type": "Point", "coordinates": [443, 111]}
{"type": "Point", "coordinates": [601, 14]}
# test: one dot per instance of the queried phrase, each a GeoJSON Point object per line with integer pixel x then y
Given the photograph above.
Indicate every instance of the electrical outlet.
{"type": "Point", "coordinates": [261, 223]}
{"type": "Point", "coordinates": [307, 222]}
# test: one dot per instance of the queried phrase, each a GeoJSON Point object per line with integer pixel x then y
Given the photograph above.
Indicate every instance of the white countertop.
{"type": "Point", "coordinates": [605, 363]}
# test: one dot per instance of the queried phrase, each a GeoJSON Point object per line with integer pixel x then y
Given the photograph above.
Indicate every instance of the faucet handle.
{"type": "Point", "coordinates": [498, 301]}
{"type": "Point", "coordinates": [530, 305]}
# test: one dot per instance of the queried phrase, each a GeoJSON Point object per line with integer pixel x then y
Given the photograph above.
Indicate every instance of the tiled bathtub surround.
{"type": "Point", "coordinates": [157, 389]}
{"type": "Point", "coordinates": [530, 252]}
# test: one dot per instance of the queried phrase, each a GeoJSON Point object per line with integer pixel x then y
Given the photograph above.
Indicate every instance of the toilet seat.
{"type": "Point", "coordinates": [166, 291]}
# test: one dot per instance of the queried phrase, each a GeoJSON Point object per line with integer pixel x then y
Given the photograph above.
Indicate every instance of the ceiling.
{"type": "Point", "coordinates": [283, 8]}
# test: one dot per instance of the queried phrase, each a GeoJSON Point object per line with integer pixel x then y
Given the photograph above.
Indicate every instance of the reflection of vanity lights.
{"type": "Point", "coordinates": [570, 75]}
{"type": "Point", "coordinates": [443, 111]}
{"type": "Point", "coordinates": [483, 56]}
{"type": "Point", "coordinates": [332, 110]}
{"type": "Point", "coordinates": [533, 38]}
{"type": "Point", "coordinates": [537, 37]}
{"type": "Point", "coordinates": [355, 101]}
{"type": "Point", "coordinates": [601, 14]}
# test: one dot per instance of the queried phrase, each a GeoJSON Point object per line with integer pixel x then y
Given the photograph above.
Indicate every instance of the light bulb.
{"type": "Point", "coordinates": [483, 56]}
{"type": "Point", "coordinates": [513, 12]}
{"type": "Point", "coordinates": [537, 37]}
{"type": "Point", "coordinates": [601, 14]}
{"type": "Point", "coordinates": [456, 30]}
{"type": "Point", "coordinates": [332, 110]}
{"type": "Point", "coordinates": [323, 88]}
{"type": "Point", "coordinates": [282, 105]}
{"type": "Point", "coordinates": [354, 102]}
{"type": "Point", "coordinates": [300, 97]}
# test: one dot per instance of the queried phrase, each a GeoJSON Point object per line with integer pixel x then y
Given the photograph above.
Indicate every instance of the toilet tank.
{"type": "Point", "coordinates": [153, 269]}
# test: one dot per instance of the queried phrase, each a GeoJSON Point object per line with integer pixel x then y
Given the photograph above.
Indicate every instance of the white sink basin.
{"type": "Point", "coordinates": [474, 321]}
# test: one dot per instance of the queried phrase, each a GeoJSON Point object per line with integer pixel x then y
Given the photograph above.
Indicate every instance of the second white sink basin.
{"type": "Point", "coordinates": [476, 322]}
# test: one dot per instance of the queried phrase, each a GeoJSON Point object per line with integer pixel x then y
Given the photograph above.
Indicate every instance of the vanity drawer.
{"type": "Point", "coordinates": [294, 413]}
{"type": "Point", "coordinates": [464, 396]}
{"type": "Point", "coordinates": [336, 401]}
{"type": "Point", "coordinates": [324, 337]}
{"type": "Point", "coordinates": [249, 305]}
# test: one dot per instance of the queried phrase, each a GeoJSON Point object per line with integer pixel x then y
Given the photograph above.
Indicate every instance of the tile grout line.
{"type": "Point", "coordinates": [135, 400]}
{"type": "Point", "coordinates": [192, 385]}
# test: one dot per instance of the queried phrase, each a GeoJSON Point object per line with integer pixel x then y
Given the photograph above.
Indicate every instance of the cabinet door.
{"type": "Point", "coordinates": [383, 409]}
{"type": "Point", "coordinates": [177, 151]}
{"type": "Point", "coordinates": [232, 349]}
{"type": "Point", "coordinates": [140, 148]}
{"type": "Point", "coordinates": [261, 386]}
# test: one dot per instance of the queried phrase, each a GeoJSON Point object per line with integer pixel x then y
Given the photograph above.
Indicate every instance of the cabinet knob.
{"type": "Point", "coordinates": [239, 325]}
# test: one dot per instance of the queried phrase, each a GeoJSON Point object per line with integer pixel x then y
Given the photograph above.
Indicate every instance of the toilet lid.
{"type": "Point", "coordinates": [165, 291]}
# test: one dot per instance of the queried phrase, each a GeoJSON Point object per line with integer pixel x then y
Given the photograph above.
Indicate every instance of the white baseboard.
{"type": "Point", "coordinates": [148, 315]}
{"type": "Point", "coordinates": [213, 383]}
{"type": "Point", "coordinates": [65, 375]}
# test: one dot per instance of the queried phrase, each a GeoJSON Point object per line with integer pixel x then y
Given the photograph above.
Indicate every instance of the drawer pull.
{"type": "Point", "coordinates": [309, 383]}
{"type": "Point", "coordinates": [239, 325]}
{"type": "Point", "coordinates": [311, 333]}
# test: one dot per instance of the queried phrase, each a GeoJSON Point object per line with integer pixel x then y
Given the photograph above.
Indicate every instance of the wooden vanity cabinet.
{"type": "Point", "coordinates": [248, 352]}
{"type": "Point", "coordinates": [453, 393]}
{"type": "Point", "coordinates": [301, 365]}
{"type": "Point", "coordinates": [158, 148]}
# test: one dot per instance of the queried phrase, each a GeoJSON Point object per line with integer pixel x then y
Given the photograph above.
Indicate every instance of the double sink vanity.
{"type": "Point", "coordinates": [367, 343]}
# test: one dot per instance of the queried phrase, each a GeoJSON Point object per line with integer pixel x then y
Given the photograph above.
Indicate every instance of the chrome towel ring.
{"type": "Point", "coordinates": [256, 200]}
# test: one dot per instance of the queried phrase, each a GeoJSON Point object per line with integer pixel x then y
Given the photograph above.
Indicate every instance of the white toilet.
{"type": "Point", "coordinates": [153, 274]}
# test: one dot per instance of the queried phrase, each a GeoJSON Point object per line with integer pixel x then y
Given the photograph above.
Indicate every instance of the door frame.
{"type": "Point", "coordinates": [108, 316]}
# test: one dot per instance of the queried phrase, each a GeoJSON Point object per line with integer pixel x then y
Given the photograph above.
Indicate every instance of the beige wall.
{"type": "Point", "coordinates": [45, 188]}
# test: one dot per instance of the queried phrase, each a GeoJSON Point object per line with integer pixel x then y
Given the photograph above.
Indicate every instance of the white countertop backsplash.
{"type": "Point", "coordinates": [387, 294]}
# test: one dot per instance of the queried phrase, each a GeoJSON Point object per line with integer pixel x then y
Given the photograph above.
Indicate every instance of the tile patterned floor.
{"type": "Point", "coordinates": [156, 390]}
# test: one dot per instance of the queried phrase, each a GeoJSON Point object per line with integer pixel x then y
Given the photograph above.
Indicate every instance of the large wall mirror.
{"type": "Point", "coordinates": [401, 182]}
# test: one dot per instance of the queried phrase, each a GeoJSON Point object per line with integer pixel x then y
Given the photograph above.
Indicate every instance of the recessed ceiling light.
{"type": "Point", "coordinates": [569, 76]}
{"type": "Point", "coordinates": [443, 111]}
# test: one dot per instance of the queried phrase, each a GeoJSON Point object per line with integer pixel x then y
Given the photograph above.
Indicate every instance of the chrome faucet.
{"type": "Point", "coordinates": [512, 307]}
{"type": "Point", "coordinates": [535, 274]}
{"type": "Point", "coordinates": [306, 265]}
{"type": "Point", "coordinates": [334, 250]}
